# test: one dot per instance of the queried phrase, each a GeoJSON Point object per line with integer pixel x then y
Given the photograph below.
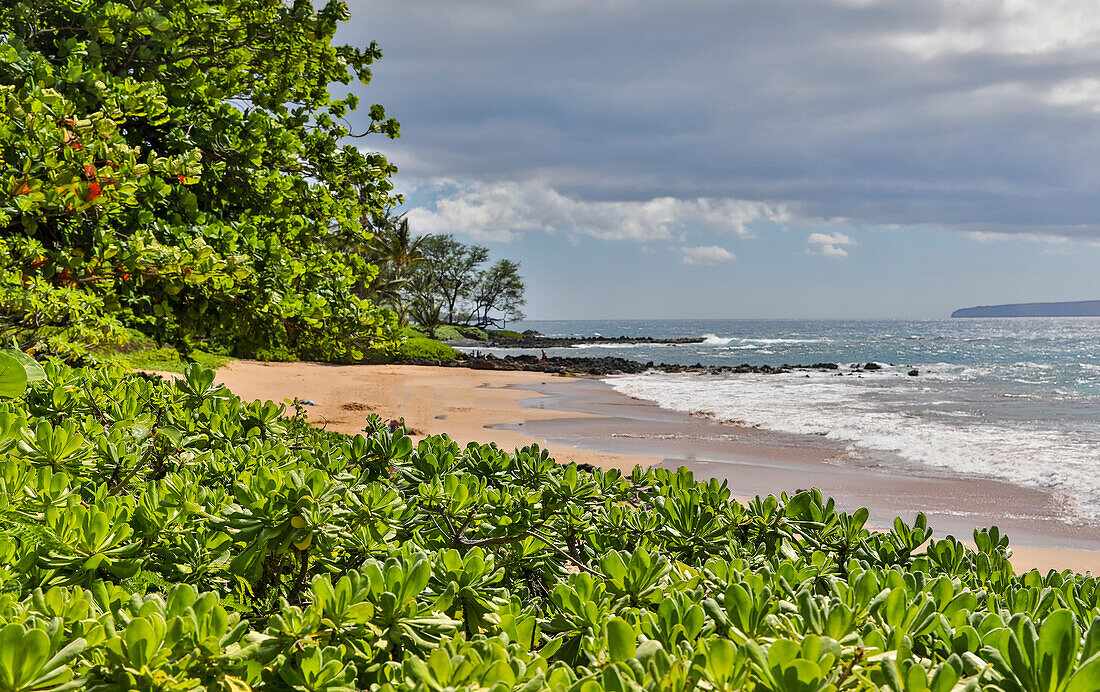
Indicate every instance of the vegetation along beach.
{"type": "Point", "coordinates": [274, 416]}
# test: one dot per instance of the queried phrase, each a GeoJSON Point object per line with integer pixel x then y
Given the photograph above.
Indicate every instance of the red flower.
{"type": "Point", "coordinates": [181, 178]}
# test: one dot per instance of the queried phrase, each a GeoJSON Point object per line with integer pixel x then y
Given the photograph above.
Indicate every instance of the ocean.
{"type": "Point", "coordinates": [1011, 399]}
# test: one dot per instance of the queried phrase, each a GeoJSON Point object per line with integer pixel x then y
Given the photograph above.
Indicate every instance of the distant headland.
{"type": "Point", "coordinates": [1080, 308]}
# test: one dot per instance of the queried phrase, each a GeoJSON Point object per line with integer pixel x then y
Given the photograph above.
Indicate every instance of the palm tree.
{"type": "Point", "coordinates": [424, 303]}
{"type": "Point", "coordinates": [393, 249]}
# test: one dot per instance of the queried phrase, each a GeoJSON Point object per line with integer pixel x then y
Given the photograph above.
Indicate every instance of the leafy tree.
{"type": "Point", "coordinates": [177, 166]}
{"type": "Point", "coordinates": [448, 280]}
{"type": "Point", "coordinates": [452, 267]}
{"type": "Point", "coordinates": [499, 289]}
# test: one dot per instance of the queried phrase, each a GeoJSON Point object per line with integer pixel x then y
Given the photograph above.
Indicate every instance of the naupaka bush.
{"type": "Point", "coordinates": [170, 536]}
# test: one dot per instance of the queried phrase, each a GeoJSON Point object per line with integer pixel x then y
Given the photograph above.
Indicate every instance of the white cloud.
{"type": "Point", "coordinates": [1010, 27]}
{"type": "Point", "coordinates": [1076, 92]}
{"type": "Point", "coordinates": [828, 244]}
{"type": "Point", "coordinates": [833, 251]}
{"type": "Point", "coordinates": [994, 236]}
{"type": "Point", "coordinates": [502, 211]}
{"type": "Point", "coordinates": [704, 255]}
{"type": "Point", "coordinates": [830, 239]}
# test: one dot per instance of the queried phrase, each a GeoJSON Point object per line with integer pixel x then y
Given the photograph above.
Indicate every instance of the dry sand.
{"type": "Point", "coordinates": [460, 402]}
{"type": "Point", "coordinates": [583, 420]}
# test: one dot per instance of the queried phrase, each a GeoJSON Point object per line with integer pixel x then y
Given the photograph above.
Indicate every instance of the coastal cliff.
{"type": "Point", "coordinates": [1081, 308]}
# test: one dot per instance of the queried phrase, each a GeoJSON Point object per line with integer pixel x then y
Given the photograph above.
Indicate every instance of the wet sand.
{"type": "Point", "coordinates": [757, 462]}
{"type": "Point", "coordinates": [585, 420]}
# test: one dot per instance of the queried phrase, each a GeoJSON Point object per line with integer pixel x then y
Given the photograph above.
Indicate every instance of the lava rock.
{"type": "Point", "coordinates": [608, 365]}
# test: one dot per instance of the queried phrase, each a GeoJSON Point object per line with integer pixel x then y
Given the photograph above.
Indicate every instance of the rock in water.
{"type": "Point", "coordinates": [914, 372]}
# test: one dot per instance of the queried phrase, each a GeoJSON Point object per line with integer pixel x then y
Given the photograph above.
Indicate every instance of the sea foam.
{"type": "Point", "coordinates": [889, 413]}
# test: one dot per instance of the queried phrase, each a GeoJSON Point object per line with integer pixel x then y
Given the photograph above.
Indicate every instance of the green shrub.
{"type": "Point", "coordinates": [276, 354]}
{"type": "Point", "coordinates": [139, 352]}
{"type": "Point", "coordinates": [474, 333]}
{"type": "Point", "coordinates": [168, 535]}
{"type": "Point", "coordinates": [448, 332]}
{"type": "Point", "coordinates": [414, 347]}
{"type": "Point", "coordinates": [422, 347]}
{"type": "Point", "coordinates": [504, 334]}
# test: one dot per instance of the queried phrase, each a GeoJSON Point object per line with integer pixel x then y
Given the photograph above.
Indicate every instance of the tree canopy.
{"type": "Point", "coordinates": [179, 167]}
{"type": "Point", "coordinates": [450, 284]}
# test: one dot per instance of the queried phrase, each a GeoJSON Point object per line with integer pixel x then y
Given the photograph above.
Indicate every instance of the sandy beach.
{"type": "Point", "coordinates": [584, 420]}
{"type": "Point", "coordinates": [465, 404]}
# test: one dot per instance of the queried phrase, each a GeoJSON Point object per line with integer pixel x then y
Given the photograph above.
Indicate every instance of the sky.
{"type": "Point", "coordinates": [751, 158]}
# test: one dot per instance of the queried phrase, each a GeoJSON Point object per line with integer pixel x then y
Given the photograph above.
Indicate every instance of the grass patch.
{"type": "Point", "coordinates": [505, 334]}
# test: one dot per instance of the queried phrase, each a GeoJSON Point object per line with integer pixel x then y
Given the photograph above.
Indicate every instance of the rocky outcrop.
{"type": "Point", "coordinates": [609, 365]}
{"type": "Point", "coordinates": [540, 341]}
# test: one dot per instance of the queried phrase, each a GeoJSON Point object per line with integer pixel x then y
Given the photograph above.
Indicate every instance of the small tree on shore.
{"type": "Point", "coordinates": [453, 269]}
{"type": "Point", "coordinates": [499, 289]}
{"type": "Point", "coordinates": [449, 284]}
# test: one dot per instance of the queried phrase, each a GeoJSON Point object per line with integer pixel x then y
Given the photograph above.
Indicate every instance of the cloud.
{"type": "Point", "coordinates": [828, 244]}
{"type": "Point", "coordinates": [705, 255]}
{"type": "Point", "coordinates": [974, 115]}
{"type": "Point", "coordinates": [501, 212]}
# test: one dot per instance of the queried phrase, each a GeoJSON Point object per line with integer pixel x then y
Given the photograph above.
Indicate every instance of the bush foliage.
{"type": "Point", "coordinates": [414, 347]}
{"type": "Point", "coordinates": [178, 167]}
{"type": "Point", "coordinates": [169, 536]}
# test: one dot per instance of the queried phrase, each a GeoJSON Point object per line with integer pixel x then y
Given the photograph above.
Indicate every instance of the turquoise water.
{"type": "Point", "coordinates": [1016, 399]}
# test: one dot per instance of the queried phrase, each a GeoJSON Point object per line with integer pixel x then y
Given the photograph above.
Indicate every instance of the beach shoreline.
{"type": "Point", "coordinates": [586, 421]}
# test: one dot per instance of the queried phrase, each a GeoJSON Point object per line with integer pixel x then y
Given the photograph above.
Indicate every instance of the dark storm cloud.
{"type": "Point", "coordinates": [979, 116]}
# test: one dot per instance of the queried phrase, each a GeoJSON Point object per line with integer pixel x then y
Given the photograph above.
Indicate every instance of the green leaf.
{"type": "Point", "coordinates": [13, 377]}
{"type": "Point", "coordinates": [1057, 648]}
{"type": "Point", "coordinates": [1085, 677]}
{"type": "Point", "coordinates": [34, 370]}
{"type": "Point", "coordinates": [622, 642]}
